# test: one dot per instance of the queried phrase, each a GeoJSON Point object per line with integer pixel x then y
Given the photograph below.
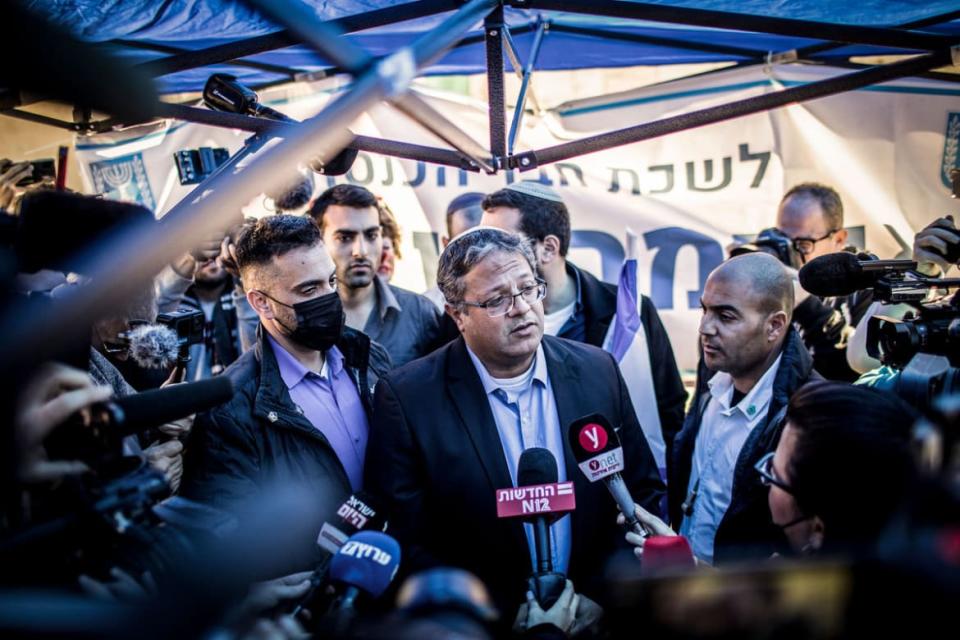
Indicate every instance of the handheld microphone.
{"type": "Point", "coordinates": [666, 553]}
{"type": "Point", "coordinates": [357, 513]}
{"type": "Point", "coordinates": [540, 500]}
{"type": "Point", "coordinates": [121, 417]}
{"type": "Point", "coordinates": [365, 565]}
{"type": "Point", "coordinates": [596, 447]}
{"type": "Point", "coordinates": [843, 273]}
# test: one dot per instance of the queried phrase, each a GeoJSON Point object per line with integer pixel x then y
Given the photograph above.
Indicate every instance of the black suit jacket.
{"type": "Point", "coordinates": [434, 457]}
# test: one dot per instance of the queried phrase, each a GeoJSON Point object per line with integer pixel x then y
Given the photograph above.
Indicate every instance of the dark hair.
{"type": "Point", "coordinates": [345, 195]}
{"type": "Point", "coordinates": [539, 217]}
{"type": "Point", "coordinates": [826, 197]}
{"type": "Point", "coordinates": [388, 223]}
{"type": "Point", "coordinates": [469, 205]}
{"type": "Point", "coordinates": [273, 236]}
{"type": "Point", "coordinates": [293, 194]}
{"type": "Point", "coordinates": [466, 251]}
{"type": "Point", "coordinates": [852, 465]}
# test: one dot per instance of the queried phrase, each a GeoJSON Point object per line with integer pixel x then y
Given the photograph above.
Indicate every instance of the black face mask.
{"type": "Point", "coordinates": [319, 321]}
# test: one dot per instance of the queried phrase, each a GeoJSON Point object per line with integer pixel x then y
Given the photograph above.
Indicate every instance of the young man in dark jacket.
{"type": "Point", "coordinates": [299, 416]}
{"type": "Point", "coordinates": [759, 360]}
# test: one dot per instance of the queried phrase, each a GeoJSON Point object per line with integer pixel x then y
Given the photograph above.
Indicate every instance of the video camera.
{"type": "Point", "coordinates": [925, 344]}
{"type": "Point", "coordinates": [774, 242]}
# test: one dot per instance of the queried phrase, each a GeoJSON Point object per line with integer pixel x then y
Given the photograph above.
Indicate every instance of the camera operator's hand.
{"type": "Point", "coordinates": [10, 174]}
{"type": "Point", "coordinates": [562, 614]}
{"type": "Point", "coordinates": [209, 249]}
{"type": "Point", "coordinates": [123, 587]}
{"type": "Point", "coordinates": [931, 244]}
{"type": "Point", "coordinates": [167, 458]}
{"type": "Point", "coordinates": [55, 393]}
{"type": "Point", "coordinates": [651, 523]}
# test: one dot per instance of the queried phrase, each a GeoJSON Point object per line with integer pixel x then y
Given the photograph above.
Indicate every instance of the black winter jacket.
{"type": "Point", "coordinates": [259, 439]}
{"type": "Point", "coordinates": [746, 530]}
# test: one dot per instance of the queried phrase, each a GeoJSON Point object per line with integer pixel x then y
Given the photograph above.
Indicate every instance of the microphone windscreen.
{"type": "Point", "coordinates": [368, 561]}
{"type": "Point", "coordinates": [153, 346]}
{"type": "Point", "coordinates": [835, 274]}
{"type": "Point", "coordinates": [142, 411]}
{"type": "Point", "coordinates": [536, 466]}
{"type": "Point", "coordinates": [666, 553]}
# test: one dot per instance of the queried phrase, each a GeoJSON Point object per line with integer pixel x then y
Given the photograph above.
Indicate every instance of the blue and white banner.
{"type": "Point", "coordinates": [887, 149]}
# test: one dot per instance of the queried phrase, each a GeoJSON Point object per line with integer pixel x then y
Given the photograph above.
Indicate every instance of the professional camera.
{"type": "Point", "coordinates": [774, 242]}
{"type": "Point", "coordinates": [188, 324]}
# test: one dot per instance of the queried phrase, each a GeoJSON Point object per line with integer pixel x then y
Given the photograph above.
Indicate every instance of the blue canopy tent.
{"type": "Point", "coordinates": [180, 43]}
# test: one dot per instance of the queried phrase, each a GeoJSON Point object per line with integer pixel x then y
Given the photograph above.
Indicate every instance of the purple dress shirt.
{"type": "Point", "coordinates": [330, 402]}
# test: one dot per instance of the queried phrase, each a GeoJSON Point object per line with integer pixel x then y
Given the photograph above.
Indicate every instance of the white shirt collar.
{"type": "Point", "coordinates": [753, 405]}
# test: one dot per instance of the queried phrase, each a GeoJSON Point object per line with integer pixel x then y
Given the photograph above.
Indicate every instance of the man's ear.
{"type": "Point", "coordinates": [777, 324]}
{"type": "Point", "coordinates": [456, 313]}
{"type": "Point", "coordinates": [549, 249]}
{"type": "Point", "coordinates": [840, 238]}
{"type": "Point", "coordinates": [259, 303]}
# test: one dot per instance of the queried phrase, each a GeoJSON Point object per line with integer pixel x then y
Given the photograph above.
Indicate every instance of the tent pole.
{"type": "Point", "coordinates": [720, 113]}
{"type": "Point", "coordinates": [232, 51]}
{"type": "Point", "coordinates": [524, 84]}
{"type": "Point", "coordinates": [496, 102]}
{"type": "Point", "coordinates": [426, 49]}
{"type": "Point", "coordinates": [895, 38]}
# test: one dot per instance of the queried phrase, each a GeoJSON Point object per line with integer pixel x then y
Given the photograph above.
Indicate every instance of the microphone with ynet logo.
{"type": "Point", "coordinates": [596, 447]}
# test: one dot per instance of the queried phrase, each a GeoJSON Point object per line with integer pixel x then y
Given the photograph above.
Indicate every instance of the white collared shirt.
{"type": "Point", "coordinates": [525, 412]}
{"type": "Point", "coordinates": [723, 431]}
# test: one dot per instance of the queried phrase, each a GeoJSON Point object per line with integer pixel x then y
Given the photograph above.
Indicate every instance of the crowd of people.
{"type": "Point", "coordinates": [356, 407]}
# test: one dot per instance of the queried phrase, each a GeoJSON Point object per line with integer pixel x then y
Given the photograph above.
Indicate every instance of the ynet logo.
{"type": "Point", "coordinates": [593, 438]}
{"type": "Point", "coordinates": [603, 465]}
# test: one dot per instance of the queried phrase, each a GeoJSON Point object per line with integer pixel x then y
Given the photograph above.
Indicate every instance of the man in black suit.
{"type": "Point", "coordinates": [449, 428]}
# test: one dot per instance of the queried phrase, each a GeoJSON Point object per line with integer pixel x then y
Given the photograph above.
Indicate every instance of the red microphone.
{"type": "Point", "coordinates": [523, 502]}
{"type": "Point", "coordinates": [666, 553]}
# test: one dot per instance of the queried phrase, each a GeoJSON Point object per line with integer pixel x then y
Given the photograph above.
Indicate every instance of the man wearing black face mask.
{"type": "Point", "coordinates": [303, 393]}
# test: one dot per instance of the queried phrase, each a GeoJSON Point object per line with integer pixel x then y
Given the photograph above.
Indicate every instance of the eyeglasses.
{"type": "Point", "coordinates": [805, 246]}
{"type": "Point", "coordinates": [502, 305]}
{"type": "Point", "coordinates": [768, 476]}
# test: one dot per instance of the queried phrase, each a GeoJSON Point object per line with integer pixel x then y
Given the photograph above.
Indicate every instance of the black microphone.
{"type": "Point", "coordinates": [537, 467]}
{"type": "Point", "coordinates": [843, 273]}
{"type": "Point", "coordinates": [359, 512]}
{"type": "Point", "coordinates": [115, 419]}
{"type": "Point", "coordinates": [596, 447]}
{"type": "Point", "coordinates": [141, 411]}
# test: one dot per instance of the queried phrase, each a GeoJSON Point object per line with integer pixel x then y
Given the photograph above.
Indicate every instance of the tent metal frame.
{"type": "Point", "coordinates": [31, 337]}
{"type": "Point", "coordinates": [935, 50]}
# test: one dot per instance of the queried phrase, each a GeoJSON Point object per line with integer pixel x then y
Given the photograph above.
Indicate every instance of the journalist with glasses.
{"type": "Point", "coordinates": [841, 469]}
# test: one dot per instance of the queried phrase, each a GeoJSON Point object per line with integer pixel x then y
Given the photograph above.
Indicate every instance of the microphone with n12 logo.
{"type": "Point", "coordinates": [596, 447]}
{"type": "Point", "coordinates": [540, 500]}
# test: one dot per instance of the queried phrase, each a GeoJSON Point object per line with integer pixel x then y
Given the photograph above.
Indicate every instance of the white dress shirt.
{"type": "Point", "coordinates": [723, 430]}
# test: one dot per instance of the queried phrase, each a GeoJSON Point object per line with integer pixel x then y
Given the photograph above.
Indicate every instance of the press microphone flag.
{"type": "Point", "coordinates": [357, 513]}
{"type": "Point", "coordinates": [597, 450]}
{"type": "Point", "coordinates": [556, 497]}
